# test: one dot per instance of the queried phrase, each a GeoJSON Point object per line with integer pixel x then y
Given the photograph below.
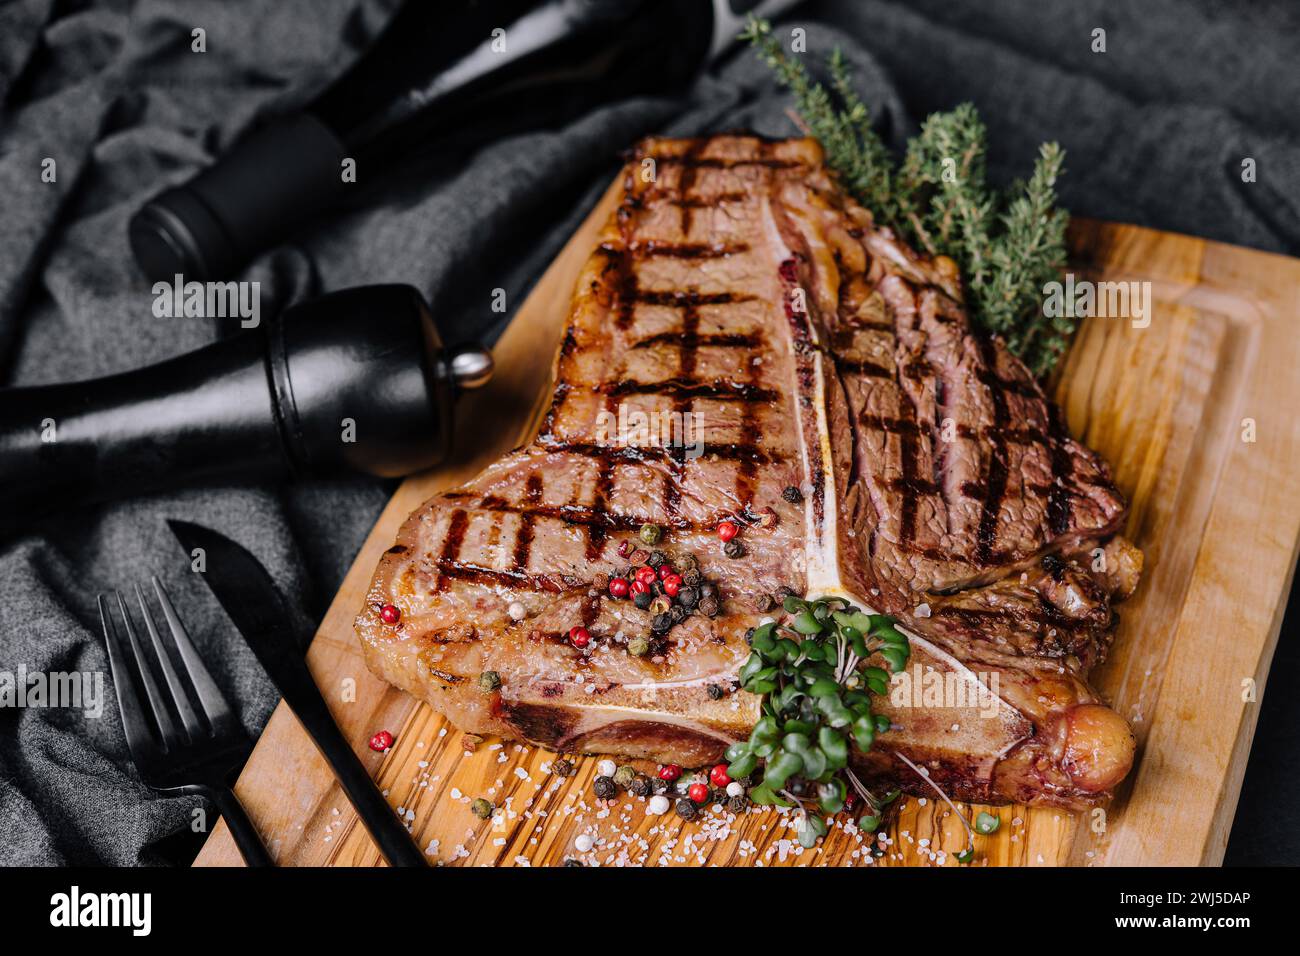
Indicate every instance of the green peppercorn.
{"type": "Point", "coordinates": [792, 495]}
{"type": "Point", "coordinates": [562, 768]}
{"type": "Point", "coordinates": [624, 776]}
{"type": "Point", "coordinates": [481, 808]}
{"type": "Point", "coordinates": [650, 533]}
{"type": "Point", "coordinates": [489, 681]}
{"type": "Point", "coordinates": [738, 804]}
{"type": "Point", "coordinates": [641, 786]}
{"type": "Point", "coordinates": [733, 549]}
{"type": "Point", "coordinates": [605, 788]}
{"type": "Point", "coordinates": [716, 692]}
{"type": "Point", "coordinates": [686, 809]}
{"type": "Point", "coordinates": [638, 647]}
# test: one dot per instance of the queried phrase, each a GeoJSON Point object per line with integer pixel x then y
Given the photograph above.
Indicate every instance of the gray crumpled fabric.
{"type": "Point", "coordinates": [112, 92]}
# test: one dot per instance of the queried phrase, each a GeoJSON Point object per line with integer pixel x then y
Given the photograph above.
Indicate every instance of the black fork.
{"type": "Point", "coordinates": [196, 755]}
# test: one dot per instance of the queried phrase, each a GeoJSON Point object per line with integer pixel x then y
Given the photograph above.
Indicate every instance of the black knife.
{"type": "Point", "coordinates": [253, 603]}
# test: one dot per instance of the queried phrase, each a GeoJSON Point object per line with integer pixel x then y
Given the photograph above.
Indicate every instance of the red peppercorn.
{"type": "Point", "coordinates": [672, 584]}
{"type": "Point", "coordinates": [727, 530]}
{"type": "Point", "coordinates": [624, 548]}
{"type": "Point", "coordinates": [698, 792]}
{"type": "Point", "coordinates": [618, 587]}
{"type": "Point", "coordinates": [579, 636]}
{"type": "Point", "coordinates": [381, 741]}
{"type": "Point", "coordinates": [646, 575]}
{"type": "Point", "coordinates": [850, 799]}
{"type": "Point", "coordinates": [390, 613]}
{"type": "Point", "coordinates": [639, 587]}
{"type": "Point", "coordinates": [718, 775]}
{"type": "Point", "coordinates": [665, 570]}
{"type": "Point", "coordinates": [670, 772]}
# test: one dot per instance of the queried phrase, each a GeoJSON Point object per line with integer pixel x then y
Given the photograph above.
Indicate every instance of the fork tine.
{"type": "Point", "coordinates": [180, 696]}
{"type": "Point", "coordinates": [171, 737]}
{"type": "Point", "coordinates": [211, 700]}
{"type": "Point", "coordinates": [139, 733]}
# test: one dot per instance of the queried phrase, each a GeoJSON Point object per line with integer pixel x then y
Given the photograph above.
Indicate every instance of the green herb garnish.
{"type": "Point", "coordinates": [987, 823]}
{"type": "Point", "coordinates": [1008, 244]}
{"type": "Point", "coordinates": [817, 683]}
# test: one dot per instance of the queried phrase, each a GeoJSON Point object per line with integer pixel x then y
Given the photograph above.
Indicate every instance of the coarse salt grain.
{"type": "Point", "coordinates": [516, 611]}
{"type": "Point", "coordinates": [584, 842]}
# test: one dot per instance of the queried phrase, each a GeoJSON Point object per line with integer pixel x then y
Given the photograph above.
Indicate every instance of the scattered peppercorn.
{"type": "Point", "coordinates": [642, 599]}
{"type": "Point", "coordinates": [687, 562]}
{"type": "Point", "coordinates": [661, 622]}
{"type": "Point", "coordinates": [579, 636]}
{"type": "Point", "coordinates": [670, 771]}
{"type": "Point", "coordinates": [646, 575]}
{"type": "Point", "coordinates": [707, 590]}
{"type": "Point", "coordinates": [733, 549]}
{"type": "Point", "coordinates": [489, 681]}
{"type": "Point", "coordinates": [390, 613]}
{"type": "Point", "coordinates": [562, 768]}
{"type": "Point", "coordinates": [792, 495]}
{"type": "Point", "coordinates": [691, 577]}
{"type": "Point", "coordinates": [749, 636]}
{"type": "Point", "coordinates": [650, 533]}
{"type": "Point", "coordinates": [641, 786]}
{"type": "Point", "coordinates": [709, 606]}
{"type": "Point", "coordinates": [619, 587]}
{"type": "Point", "coordinates": [688, 597]}
{"type": "Point", "coordinates": [672, 585]}
{"type": "Point", "coordinates": [638, 647]}
{"type": "Point", "coordinates": [624, 776]}
{"type": "Point", "coordinates": [718, 775]}
{"type": "Point", "coordinates": [738, 804]}
{"type": "Point", "coordinates": [677, 613]}
{"type": "Point", "coordinates": [381, 741]}
{"type": "Point", "coordinates": [469, 742]}
{"type": "Point", "coordinates": [767, 518]}
{"type": "Point", "coordinates": [727, 530]}
{"type": "Point", "coordinates": [639, 557]}
{"type": "Point", "coordinates": [605, 788]}
{"type": "Point", "coordinates": [624, 548]}
{"type": "Point", "coordinates": [660, 605]}
{"type": "Point", "coordinates": [572, 862]}
{"type": "Point", "coordinates": [656, 559]}
{"type": "Point", "coordinates": [699, 792]}
{"type": "Point", "coordinates": [686, 809]}
{"type": "Point", "coordinates": [481, 808]}
{"type": "Point", "coordinates": [716, 692]}
{"type": "Point", "coordinates": [763, 602]}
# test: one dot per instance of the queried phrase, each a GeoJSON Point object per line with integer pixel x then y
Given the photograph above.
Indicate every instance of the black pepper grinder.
{"type": "Point", "coordinates": [354, 381]}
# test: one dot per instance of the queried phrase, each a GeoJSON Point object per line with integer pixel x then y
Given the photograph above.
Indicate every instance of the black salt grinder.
{"type": "Point", "coordinates": [354, 381]}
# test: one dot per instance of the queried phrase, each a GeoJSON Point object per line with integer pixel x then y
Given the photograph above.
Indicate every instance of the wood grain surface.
{"type": "Point", "coordinates": [1172, 406]}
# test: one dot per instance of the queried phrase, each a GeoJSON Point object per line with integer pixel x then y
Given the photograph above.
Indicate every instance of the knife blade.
{"type": "Point", "coordinates": [251, 600]}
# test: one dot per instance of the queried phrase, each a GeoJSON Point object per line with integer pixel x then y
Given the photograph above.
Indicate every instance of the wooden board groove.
{"type": "Point", "coordinates": [1218, 518]}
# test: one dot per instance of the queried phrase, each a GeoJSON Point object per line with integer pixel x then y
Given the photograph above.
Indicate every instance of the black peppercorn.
{"type": "Point", "coordinates": [688, 597]}
{"type": "Point", "coordinates": [709, 607]}
{"type": "Point", "coordinates": [691, 578]}
{"type": "Point", "coordinates": [1053, 564]}
{"type": "Point", "coordinates": [763, 602]}
{"type": "Point", "coordinates": [677, 613]}
{"type": "Point", "coordinates": [686, 562]}
{"type": "Point", "coordinates": [716, 692]}
{"type": "Point", "coordinates": [749, 636]}
{"type": "Point", "coordinates": [733, 549]}
{"type": "Point", "coordinates": [686, 809]}
{"type": "Point", "coordinates": [738, 804]}
{"type": "Point", "coordinates": [643, 599]}
{"type": "Point", "coordinates": [656, 559]}
{"type": "Point", "coordinates": [605, 787]}
{"type": "Point", "coordinates": [641, 786]}
{"type": "Point", "coordinates": [707, 590]}
{"type": "Point", "coordinates": [661, 623]}
{"type": "Point", "coordinates": [572, 862]}
{"type": "Point", "coordinates": [792, 495]}
{"type": "Point", "coordinates": [562, 768]}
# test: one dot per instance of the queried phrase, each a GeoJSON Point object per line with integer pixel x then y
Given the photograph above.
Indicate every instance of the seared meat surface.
{"type": "Point", "coordinates": [830, 398]}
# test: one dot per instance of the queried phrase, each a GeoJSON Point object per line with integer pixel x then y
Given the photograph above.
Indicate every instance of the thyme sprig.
{"type": "Point", "coordinates": [1007, 243]}
{"type": "Point", "coordinates": [817, 682]}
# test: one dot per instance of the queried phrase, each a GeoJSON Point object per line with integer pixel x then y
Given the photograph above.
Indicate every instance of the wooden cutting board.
{"type": "Point", "coordinates": [1197, 415]}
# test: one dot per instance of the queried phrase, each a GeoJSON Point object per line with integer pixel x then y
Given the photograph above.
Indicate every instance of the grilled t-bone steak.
{"type": "Point", "coordinates": [738, 283]}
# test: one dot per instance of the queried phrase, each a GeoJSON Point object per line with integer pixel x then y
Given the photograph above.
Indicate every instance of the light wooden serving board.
{"type": "Point", "coordinates": [1171, 406]}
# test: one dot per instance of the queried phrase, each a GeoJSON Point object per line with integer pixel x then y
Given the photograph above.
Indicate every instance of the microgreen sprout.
{"type": "Point", "coordinates": [817, 675]}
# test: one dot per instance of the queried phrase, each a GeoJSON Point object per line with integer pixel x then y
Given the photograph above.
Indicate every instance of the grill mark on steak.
{"type": "Point", "coordinates": [451, 544]}
{"type": "Point", "coordinates": [852, 366]}
{"type": "Point", "coordinates": [996, 480]}
{"type": "Point", "coordinates": [640, 454]}
{"type": "Point", "coordinates": [524, 537]}
{"type": "Point", "coordinates": [683, 400]}
{"type": "Point", "coordinates": [683, 299]}
{"type": "Point", "coordinates": [727, 340]}
{"type": "Point", "coordinates": [686, 182]}
{"type": "Point", "coordinates": [687, 250]}
{"type": "Point", "coordinates": [720, 390]}
{"type": "Point", "coordinates": [1059, 499]}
